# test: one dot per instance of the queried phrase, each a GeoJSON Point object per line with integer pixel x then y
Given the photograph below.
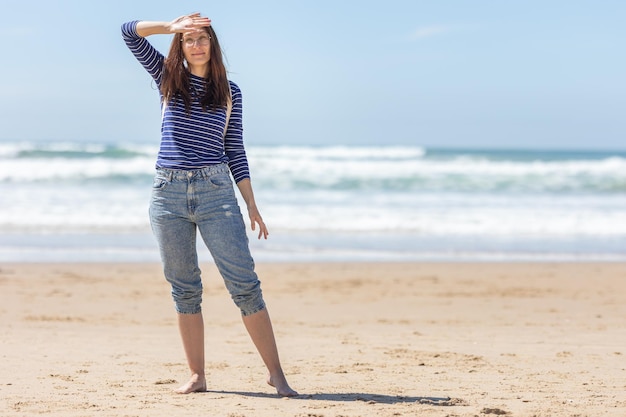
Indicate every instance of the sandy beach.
{"type": "Point", "coordinates": [356, 339]}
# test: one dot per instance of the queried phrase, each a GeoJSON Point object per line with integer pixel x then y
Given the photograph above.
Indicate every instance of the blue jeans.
{"type": "Point", "coordinates": [186, 201]}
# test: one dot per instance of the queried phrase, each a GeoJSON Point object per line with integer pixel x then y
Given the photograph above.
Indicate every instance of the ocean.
{"type": "Point", "coordinates": [63, 201]}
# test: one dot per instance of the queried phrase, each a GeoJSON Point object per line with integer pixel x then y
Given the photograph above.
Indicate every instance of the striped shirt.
{"type": "Point", "coordinates": [195, 140]}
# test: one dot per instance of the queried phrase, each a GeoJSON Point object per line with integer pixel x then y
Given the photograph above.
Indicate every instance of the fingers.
{"type": "Point", "coordinates": [189, 23]}
{"type": "Point", "coordinates": [263, 232]}
{"type": "Point", "coordinates": [202, 22]}
{"type": "Point", "coordinates": [198, 21]}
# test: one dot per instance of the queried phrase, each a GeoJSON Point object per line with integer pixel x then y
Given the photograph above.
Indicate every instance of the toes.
{"type": "Point", "coordinates": [290, 393]}
{"type": "Point", "coordinates": [191, 387]}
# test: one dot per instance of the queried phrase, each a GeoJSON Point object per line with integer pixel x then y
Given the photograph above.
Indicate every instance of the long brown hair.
{"type": "Point", "coordinates": [176, 76]}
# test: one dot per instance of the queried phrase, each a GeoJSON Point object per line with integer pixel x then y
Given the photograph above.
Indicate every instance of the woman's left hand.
{"type": "Point", "coordinates": [245, 187]}
{"type": "Point", "coordinates": [255, 218]}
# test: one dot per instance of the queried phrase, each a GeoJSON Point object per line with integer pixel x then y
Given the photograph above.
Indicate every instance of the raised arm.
{"type": "Point", "coordinates": [181, 24]}
{"type": "Point", "coordinates": [135, 32]}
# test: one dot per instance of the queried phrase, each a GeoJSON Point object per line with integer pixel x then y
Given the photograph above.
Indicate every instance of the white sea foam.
{"type": "Point", "coordinates": [337, 152]}
{"type": "Point", "coordinates": [54, 169]}
{"type": "Point", "coordinates": [559, 202]}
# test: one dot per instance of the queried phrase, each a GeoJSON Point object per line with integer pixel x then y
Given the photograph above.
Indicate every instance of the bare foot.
{"type": "Point", "coordinates": [197, 383]}
{"type": "Point", "coordinates": [282, 387]}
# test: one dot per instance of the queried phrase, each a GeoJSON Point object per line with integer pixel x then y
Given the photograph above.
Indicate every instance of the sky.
{"type": "Point", "coordinates": [465, 74]}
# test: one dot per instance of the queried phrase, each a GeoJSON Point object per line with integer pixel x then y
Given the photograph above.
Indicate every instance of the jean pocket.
{"type": "Point", "coordinates": [159, 183]}
{"type": "Point", "coordinates": [220, 180]}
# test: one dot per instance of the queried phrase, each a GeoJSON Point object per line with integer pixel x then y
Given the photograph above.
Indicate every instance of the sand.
{"type": "Point", "coordinates": [356, 339]}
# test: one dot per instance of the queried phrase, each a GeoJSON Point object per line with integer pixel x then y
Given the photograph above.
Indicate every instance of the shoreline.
{"type": "Point", "coordinates": [356, 338]}
{"type": "Point", "coordinates": [140, 247]}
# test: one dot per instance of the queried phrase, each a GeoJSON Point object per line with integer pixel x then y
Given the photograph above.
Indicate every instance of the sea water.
{"type": "Point", "coordinates": [89, 202]}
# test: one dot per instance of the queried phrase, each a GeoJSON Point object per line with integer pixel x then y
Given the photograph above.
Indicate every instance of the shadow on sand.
{"type": "Point", "coordinates": [348, 397]}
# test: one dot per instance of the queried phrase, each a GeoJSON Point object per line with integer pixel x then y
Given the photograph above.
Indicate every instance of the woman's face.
{"type": "Point", "coordinates": [197, 48]}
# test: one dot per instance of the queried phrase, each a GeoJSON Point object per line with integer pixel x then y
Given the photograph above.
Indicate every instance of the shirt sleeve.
{"type": "Point", "coordinates": [147, 55]}
{"type": "Point", "coordinates": [233, 141]}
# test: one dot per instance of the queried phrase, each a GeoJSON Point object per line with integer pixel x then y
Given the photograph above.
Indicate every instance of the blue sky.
{"type": "Point", "coordinates": [508, 74]}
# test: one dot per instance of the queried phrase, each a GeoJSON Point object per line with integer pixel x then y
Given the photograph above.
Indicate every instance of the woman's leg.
{"type": "Point", "coordinates": [223, 231]}
{"type": "Point", "coordinates": [259, 328]}
{"type": "Point", "coordinates": [175, 233]}
{"type": "Point", "coordinates": [192, 333]}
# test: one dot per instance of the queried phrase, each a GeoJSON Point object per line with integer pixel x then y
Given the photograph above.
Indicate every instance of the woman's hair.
{"type": "Point", "coordinates": [176, 76]}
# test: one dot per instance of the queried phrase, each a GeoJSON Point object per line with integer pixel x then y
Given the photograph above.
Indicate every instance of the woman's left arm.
{"type": "Point", "coordinates": [238, 162]}
{"type": "Point", "coordinates": [245, 187]}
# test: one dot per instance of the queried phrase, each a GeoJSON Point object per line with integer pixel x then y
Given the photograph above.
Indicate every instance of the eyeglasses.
{"type": "Point", "coordinates": [201, 41]}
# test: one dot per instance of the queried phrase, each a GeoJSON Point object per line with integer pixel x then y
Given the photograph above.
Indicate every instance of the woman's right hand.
{"type": "Point", "coordinates": [189, 23]}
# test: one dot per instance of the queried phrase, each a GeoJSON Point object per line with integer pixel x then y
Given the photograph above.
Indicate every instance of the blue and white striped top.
{"type": "Point", "coordinates": [195, 140]}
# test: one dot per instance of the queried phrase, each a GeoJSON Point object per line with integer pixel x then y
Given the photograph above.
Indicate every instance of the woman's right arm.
{"type": "Point", "coordinates": [147, 28]}
{"type": "Point", "coordinates": [147, 55]}
{"type": "Point", "coordinates": [135, 32]}
{"type": "Point", "coordinates": [180, 25]}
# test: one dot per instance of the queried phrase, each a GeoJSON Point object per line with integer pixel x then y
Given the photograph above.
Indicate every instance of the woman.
{"type": "Point", "coordinates": [193, 190]}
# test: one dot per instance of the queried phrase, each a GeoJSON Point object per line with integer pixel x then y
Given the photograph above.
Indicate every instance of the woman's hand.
{"type": "Point", "coordinates": [255, 218]}
{"type": "Point", "coordinates": [245, 187]}
{"type": "Point", "coordinates": [189, 23]}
